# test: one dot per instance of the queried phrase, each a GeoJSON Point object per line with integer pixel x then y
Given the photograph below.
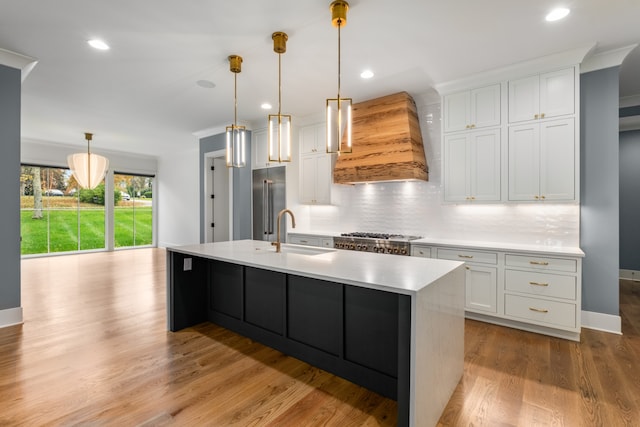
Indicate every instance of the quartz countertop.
{"type": "Point", "coordinates": [399, 274]}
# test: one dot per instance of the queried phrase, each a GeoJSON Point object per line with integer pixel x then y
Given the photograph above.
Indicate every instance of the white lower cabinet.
{"type": "Point", "coordinates": [534, 291]}
{"type": "Point", "coordinates": [481, 282]}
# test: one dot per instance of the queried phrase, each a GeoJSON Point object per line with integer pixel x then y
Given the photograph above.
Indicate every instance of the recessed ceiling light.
{"type": "Point", "coordinates": [265, 106]}
{"type": "Point", "coordinates": [366, 74]}
{"type": "Point", "coordinates": [557, 14]}
{"type": "Point", "coordinates": [207, 84]}
{"type": "Point", "coordinates": [98, 44]}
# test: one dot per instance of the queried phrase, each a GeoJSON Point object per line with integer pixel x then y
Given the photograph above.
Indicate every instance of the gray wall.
{"type": "Point", "coordinates": [630, 200]}
{"type": "Point", "coordinates": [599, 183]}
{"type": "Point", "coordinates": [10, 81]}
{"type": "Point", "coordinates": [241, 187]}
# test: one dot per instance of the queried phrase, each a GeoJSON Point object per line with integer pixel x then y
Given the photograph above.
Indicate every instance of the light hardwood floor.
{"type": "Point", "coordinates": [94, 350]}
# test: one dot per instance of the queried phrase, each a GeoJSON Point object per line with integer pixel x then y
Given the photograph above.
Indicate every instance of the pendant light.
{"type": "Point", "coordinates": [235, 133]}
{"type": "Point", "coordinates": [88, 168]}
{"type": "Point", "coordinates": [279, 124]}
{"type": "Point", "coordinates": [339, 109]}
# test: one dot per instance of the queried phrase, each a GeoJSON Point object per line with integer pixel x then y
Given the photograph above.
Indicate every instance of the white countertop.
{"type": "Point", "coordinates": [400, 274]}
{"type": "Point", "coordinates": [543, 249]}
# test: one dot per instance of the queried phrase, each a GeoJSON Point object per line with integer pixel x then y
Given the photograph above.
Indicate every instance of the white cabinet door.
{"type": "Point", "coordinates": [524, 161]}
{"type": "Point", "coordinates": [308, 179]}
{"type": "Point", "coordinates": [485, 107]}
{"type": "Point", "coordinates": [542, 161]}
{"type": "Point", "coordinates": [323, 179]}
{"type": "Point", "coordinates": [472, 109]}
{"type": "Point", "coordinates": [259, 149]}
{"type": "Point", "coordinates": [456, 168]}
{"type": "Point", "coordinates": [312, 139]}
{"type": "Point", "coordinates": [557, 93]}
{"type": "Point", "coordinates": [484, 173]}
{"type": "Point", "coordinates": [481, 288]}
{"type": "Point", "coordinates": [472, 166]}
{"type": "Point", "coordinates": [524, 99]}
{"type": "Point", "coordinates": [542, 96]}
{"type": "Point", "coordinates": [457, 114]}
{"type": "Point", "coordinates": [557, 160]}
{"type": "Point", "coordinates": [315, 179]}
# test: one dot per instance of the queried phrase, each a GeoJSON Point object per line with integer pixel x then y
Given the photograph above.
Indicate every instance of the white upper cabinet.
{"type": "Point", "coordinates": [542, 161]}
{"type": "Point", "coordinates": [260, 151]}
{"type": "Point", "coordinates": [315, 166]}
{"type": "Point", "coordinates": [313, 139]}
{"type": "Point", "coordinates": [473, 109]}
{"type": "Point", "coordinates": [472, 166]}
{"type": "Point", "coordinates": [542, 96]}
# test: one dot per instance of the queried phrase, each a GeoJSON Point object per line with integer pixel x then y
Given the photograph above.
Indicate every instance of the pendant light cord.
{"type": "Point", "coordinates": [279, 86]}
{"type": "Point", "coordinates": [339, 26]}
{"type": "Point", "coordinates": [235, 99]}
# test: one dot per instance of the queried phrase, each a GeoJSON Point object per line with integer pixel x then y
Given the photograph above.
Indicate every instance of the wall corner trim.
{"type": "Point", "coordinates": [602, 322]}
{"type": "Point", "coordinates": [10, 317]}
{"type": "Point", "coordinates": [606, 59]}
{"type": "Point", "coordinates": [16, 60]}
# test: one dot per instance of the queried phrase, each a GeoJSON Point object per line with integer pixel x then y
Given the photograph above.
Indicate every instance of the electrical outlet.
{"type": "Point", "coordinates": [187, 264]}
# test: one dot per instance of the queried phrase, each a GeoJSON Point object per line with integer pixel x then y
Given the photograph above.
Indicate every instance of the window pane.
{"type": "Point", "coordinates": [133, 210]}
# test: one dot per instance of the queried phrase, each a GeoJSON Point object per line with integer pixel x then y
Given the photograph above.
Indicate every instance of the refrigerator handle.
{"type": "Point", "coordinates": [267, 207]}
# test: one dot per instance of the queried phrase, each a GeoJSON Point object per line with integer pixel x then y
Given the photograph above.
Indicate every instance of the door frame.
{"type": "Point", "coordinates": [206, 185]}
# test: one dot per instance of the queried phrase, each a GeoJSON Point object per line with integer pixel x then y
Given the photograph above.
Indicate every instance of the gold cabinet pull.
{"type": "Point", "coordinates": [535, 117]}
{"type": "Point", "coordinates": [473, 126]}
{"type": "Point", "coordinates": [538, 284]}
{"type": "Point", "coordinates": [467, 268]}
{"type": "Point", "coordinates": [537, 197]}
{"type": "Point", "coordinates": [542, 197]}
{"type": "Point", "coordinates": [304, 241]}
{"type": "Point", "coordinates": [542, 116]}
{"type": "Point", "coordinates": [538, 263]}
{"type": "Point", "coordinates": [465, 256]}
{"type": "Point", "coordinates": [538, 310]}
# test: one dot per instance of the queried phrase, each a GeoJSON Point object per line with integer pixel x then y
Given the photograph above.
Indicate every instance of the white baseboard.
{"type": "Point", "coordinates": [602, 322]}
{"type": "Point", "coordinates": [630, 274]}
{"type": "Point", "coordinates": [10, 317]}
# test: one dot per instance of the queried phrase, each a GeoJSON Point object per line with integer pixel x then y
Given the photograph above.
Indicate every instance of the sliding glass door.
{"type": "Point", "coordinates": [133, 210]}
{"type": "Point", "coordinates": [55, 216]}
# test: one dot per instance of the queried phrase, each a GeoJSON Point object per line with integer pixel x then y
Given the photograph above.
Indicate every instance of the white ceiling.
{"type": "Point", "coordinates": [141, 96]}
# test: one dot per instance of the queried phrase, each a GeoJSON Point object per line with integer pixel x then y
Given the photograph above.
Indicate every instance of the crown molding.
{"type": "Point", "coordinates": [606, 59]}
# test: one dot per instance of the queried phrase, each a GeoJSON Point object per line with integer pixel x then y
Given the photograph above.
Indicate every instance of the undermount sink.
{"type": "Point", "coordinates": [301, 250]}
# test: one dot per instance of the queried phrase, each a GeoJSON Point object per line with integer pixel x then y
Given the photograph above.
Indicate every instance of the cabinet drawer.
{"type": "Point", "coordinates": [544, 312]}
{"type": "Point", "coordinates": [468, 256]}
{"type": "Point", "coordinates": [541, 263]}
{"type": "Point", "coordinates": [541, 284]}
{"type": "Point", "coordinates": [421, 251]}
{"type": "Point", "coordinates": [304, 240]}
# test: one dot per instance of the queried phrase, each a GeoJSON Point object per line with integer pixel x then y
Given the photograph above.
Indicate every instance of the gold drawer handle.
{"type": "Point", "coordinates": [304, 241]}
{"type": "Point", "coordinates": [538, 284]}
{"type": "Point", "coordinates": [538, 263]}
{"type": "Point", "coordinates": [465, 256]}
{"type": "Point", "coordinates": [467, 268]}
{"type": "Point", "coordinates": [538, 310]}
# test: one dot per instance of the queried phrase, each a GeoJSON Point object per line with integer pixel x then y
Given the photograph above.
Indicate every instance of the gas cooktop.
{"type": "Point", "coordinates": [382, 243]}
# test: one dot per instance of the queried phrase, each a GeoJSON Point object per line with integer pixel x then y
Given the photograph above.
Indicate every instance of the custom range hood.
{"type": "Point", "coordinates": [387, 143]}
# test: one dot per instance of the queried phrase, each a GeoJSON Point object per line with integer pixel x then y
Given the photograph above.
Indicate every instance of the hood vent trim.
{"type": "Point", "coordinates": [387, 143]}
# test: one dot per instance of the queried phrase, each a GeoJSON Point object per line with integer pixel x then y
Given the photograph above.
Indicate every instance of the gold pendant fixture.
{"type": "Point", "coordinates": [279, 124]}
{"type": "Point", "coordinates": [88, 168]}
{"type": "Point", "coordinates": [339, 109]}
{"type": "Point", "coordinates": [235, 134]}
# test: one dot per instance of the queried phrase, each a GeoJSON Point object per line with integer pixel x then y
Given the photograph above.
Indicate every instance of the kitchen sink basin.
{"type": "Point", "coordinates": [300, 250]}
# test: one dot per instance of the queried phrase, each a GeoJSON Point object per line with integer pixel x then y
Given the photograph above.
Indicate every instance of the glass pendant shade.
{"type": "Point", "coordinates": [339, 125]}
{"type": "Point", "coordinates": [279, 138]}
{"type": "Point", "coordinates": [279, 134]}
{"type": "Point", "coordinates": [236, 146]}
{"type": "Point", "coordinates": [339, 119]}
{"type": "Point", "coordinates": [236, 135]}
{"type": "Point", "coordinates": [88, 169]}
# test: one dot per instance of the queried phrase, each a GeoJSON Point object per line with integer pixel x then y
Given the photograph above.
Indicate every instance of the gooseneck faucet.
{"type": "Point", "coordinates": [277, 243]}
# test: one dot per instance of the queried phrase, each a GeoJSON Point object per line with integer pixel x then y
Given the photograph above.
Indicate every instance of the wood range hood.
{"type": "Point", "coordinates": [387, 143]}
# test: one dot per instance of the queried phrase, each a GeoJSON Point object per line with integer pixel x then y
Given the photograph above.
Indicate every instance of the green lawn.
{"type": "Point", "coordinates": [61, 225]}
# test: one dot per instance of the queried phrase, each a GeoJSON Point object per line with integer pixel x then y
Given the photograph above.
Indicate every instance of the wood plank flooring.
{"type": "Point", "coordinates": [94, 351]}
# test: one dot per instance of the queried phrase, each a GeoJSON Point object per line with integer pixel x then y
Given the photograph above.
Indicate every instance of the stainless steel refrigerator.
{"type": "Point", "coordinates": [269, 198]}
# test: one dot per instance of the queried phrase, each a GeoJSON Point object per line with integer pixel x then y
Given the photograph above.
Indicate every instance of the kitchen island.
{"type": "Point", "coordinates": [395, 326]}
